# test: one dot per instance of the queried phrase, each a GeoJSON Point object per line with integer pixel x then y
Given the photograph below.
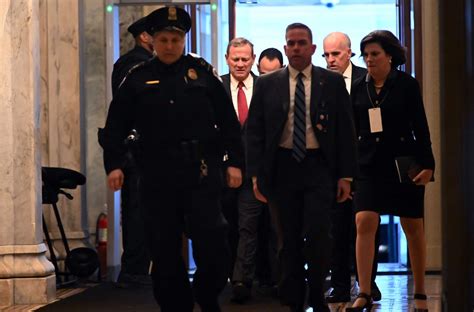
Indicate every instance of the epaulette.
{"type": "Point", "coordinates": [197, 59]}
{"type": "Point", "coordinates": [132, 69]}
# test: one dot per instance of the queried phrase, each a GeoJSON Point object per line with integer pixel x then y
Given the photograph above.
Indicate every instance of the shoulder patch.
{"type": "Point", "coordinates": [201, 62]}
{"type": "Point", "coordinates": [131, 70]}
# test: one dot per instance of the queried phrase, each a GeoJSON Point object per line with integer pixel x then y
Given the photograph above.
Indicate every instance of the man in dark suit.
{"type": "Point", "coordinates": [240, 206]}
{"type": "Point", "coordinates": [266, 273]}
{"type": "Point", "coordinates": [301, 155]}
{"type": "Point", "coordinates": [338, 53]}
{"type": "Point", "coordinates": [269, 60]}
{"type": "Point", "coordinates": [135, 260]}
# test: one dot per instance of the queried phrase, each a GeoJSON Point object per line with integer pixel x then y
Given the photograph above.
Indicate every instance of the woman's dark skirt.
{"type": "Point", "coordinates": [378, 189]}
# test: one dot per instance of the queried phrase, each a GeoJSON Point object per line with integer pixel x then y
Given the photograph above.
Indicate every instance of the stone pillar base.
{"type": "Point", "coordinates": [27, 290]}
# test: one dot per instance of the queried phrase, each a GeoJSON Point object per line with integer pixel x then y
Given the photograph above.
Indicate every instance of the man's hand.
{"type": "Point", "coordinates": [256, 191]}
{"type": "Point", "coordinates": [115, 179]}
{"type": "Point", "coordinates": [233, 177]}
{"type": "Point", "coordinates": [343, 190]}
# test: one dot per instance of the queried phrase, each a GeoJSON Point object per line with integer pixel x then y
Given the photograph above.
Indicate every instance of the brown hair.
{"type": "Point", "coordinates": [389, 43]}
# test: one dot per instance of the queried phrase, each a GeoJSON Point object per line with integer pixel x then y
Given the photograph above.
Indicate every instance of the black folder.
{"type": "Point", "coordinates": [408, 169]}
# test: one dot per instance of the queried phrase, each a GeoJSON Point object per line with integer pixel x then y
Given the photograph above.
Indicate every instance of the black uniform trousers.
{"type": "Point", "coordinates": [303, 195]}
{"type": "Point", "coordinates": [343, 254]}
{"type": "Point", "coordinates": [230, 211]}
{"type": "Point", "coordinates": [135, 257]}
{"type": "Point", "coordinates": [197, 213]}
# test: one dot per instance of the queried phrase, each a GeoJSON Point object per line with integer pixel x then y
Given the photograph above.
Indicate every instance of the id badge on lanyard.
{"type": "Point", "coordinates": [375, 113]}
{"type": "Point", "coordinates": [375, 119]}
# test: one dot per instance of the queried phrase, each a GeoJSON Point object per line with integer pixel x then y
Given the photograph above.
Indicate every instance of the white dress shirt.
{"type": "Point", "coordinates": [248, 90]}
{"type": "Point", "coordinates": [286, 140]}
{"type": "Point", "coordinates": [348, 77]}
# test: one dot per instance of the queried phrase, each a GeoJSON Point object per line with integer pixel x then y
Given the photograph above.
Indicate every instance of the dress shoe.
{"type": "Point", "coordinates": [241, 292]}
{"type": "Point", "coordinates": [366, 307]}
{"type": "Point", "coordinates": [375, 292]}
{"type": "Point", "coordinates": [336, 296]}
{"type": "Point", "coordinates": [420, 297]}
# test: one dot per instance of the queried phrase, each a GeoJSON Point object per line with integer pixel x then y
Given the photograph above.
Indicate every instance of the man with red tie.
{"type": "Point", "coordinates": [240, 207]}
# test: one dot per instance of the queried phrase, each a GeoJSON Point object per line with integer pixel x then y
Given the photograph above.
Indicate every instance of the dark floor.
{"type": "Point", "coordinates": [396, 296]}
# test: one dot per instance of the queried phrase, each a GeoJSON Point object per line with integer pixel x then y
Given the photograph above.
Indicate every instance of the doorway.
{"type": "Point", "coordinates": [263, 22]}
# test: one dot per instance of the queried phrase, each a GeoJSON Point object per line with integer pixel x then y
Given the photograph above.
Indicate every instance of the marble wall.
{"type": "Point", "coordinates": [26, 275]}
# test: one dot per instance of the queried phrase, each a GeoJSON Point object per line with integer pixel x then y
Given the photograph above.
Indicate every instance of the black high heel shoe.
{"type": "Point", "coordinates": [420, 297]}
{"type": "Point", "coordinates": [366, 307]}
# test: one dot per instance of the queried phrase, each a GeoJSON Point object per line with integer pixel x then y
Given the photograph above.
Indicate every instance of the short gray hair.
{"type": "Point", "coordinates": [239, 42]}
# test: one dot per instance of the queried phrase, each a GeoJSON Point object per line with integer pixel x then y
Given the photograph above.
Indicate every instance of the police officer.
{"type": "Point", "coordinates": [142, 51]}
{"type": "Point", "coordinates": [186, 123]}
{"type": "Point", "coordinates": [135, 261]}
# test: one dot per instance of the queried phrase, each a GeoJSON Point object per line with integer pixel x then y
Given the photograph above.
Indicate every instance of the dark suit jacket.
{"type": "Point", "coordinates": [269, 113]}
{"type": "Point", "coordinates": [226, 81]}
{"type": "Point", "coordinates": [405, 128]}
{"type": "Point", "coordinates": [357, 73]}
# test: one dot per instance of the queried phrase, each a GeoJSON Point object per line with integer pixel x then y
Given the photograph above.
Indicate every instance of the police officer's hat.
{"type": "Point", "coordinates": [168, 18]}
{"type": "Point", "coordinates": [137, 27]}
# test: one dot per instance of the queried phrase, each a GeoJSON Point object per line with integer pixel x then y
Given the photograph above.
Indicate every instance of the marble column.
{"type": "Point", "coordinates": [26, 276]}
{"type": "Point", "coordinates": [431, 97]}
{"type": "Point", "coordinates": [94, 82]}
{"type": "Point", "coordinates": [61, 112]}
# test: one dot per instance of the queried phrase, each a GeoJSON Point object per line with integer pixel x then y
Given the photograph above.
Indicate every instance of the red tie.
{"type": "Point", "coordinates": [242, 104]}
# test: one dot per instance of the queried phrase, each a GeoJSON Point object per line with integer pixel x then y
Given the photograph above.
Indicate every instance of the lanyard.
{"type": "Point", "coordinates": [377, 103]}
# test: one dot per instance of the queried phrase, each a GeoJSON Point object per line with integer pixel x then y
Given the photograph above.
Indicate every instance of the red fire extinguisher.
{"type": "Point", "coordinates": [101, 243]}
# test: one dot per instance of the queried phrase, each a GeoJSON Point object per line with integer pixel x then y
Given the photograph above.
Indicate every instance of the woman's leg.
{"type": "Point", "coordinates": [414, 231]}
{"type": "Point", "coordinates": [366, 223]}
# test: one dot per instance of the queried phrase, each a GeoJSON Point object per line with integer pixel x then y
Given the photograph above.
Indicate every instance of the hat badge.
{"type": "Point", "coordinates": [172, 15]}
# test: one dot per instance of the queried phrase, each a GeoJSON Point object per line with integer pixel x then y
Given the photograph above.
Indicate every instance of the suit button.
{"type": "Point", "coordinates": [360, 138]}
{"type": "Point", "coordinates": [402, 139]}
{"type": "Point", "coordinates": [171, 102]}
{"type": "Point", "coordinates": [377, 139]}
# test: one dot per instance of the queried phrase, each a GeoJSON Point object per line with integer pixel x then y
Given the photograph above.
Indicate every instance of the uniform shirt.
{"type": "Point", "coordinates": [234, 89]}
{"type": "Point", "coordinates": [122, 66]}
{"type": "Point", "coordinates": [181, 102]}
{"type": "Point", "coordinates": [286, 140]}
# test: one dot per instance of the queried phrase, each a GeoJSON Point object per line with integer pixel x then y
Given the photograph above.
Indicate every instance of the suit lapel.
{"type": "Point", "coordinates": [317, 83]}
{"type": "Point", "coordinates": [226, 83]}
{"type": "Point", "coordinates": [284, 89]}
{"type": "Point", "coordinates": [255, 77]}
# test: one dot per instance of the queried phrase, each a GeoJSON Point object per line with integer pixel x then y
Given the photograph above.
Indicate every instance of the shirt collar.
{"type": "Point", "coordinates": [348, 72]}
{"type": "Point", "coordinates": [248, 82]}
{"type": "Point", "coordinates": [306, 72]}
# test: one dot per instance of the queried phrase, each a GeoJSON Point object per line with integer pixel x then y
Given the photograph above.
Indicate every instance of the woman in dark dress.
{"type": "Point", "coordinates": [391, 122]}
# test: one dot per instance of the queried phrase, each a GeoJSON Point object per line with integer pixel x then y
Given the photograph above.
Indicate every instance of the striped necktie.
{"type": "Point", "coordinates": [299, 122]}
